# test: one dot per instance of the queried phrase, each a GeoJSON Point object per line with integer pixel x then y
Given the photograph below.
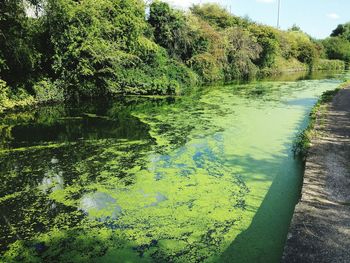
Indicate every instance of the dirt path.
{"type": "Point", "coordinates": [320, 229]}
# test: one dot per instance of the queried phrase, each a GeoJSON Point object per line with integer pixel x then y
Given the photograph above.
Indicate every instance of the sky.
{"type": "Point", "coordinates": [318, 18]}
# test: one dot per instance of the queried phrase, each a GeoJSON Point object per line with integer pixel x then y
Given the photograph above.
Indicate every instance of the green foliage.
{"type": "Point", "coordinates": [241, 49]}
{"type": "Point", "coordinates": [267, 39]}
{"type": "Point", "coordinates": [93, 43]}
{"type": "Point", "coordinates": [46, 91]}
{"type": "Point", "coordinates": [326, 64]}
{"type": "Point", "coordinates": [342, 30]}
{"type": "Point", "coordinates": [102, 49]}
{"type": "Point", "coordinates": [295, 27]}
{"type": "Point", "coordinates": [109, 47]}
{"type": "Point", "coordinates": [170, 29]}
{"type": "Point", "coordinates": [4, 92]}
{"type": "Point", "coordinates": [284, 65]}
{"type": "Point", "coordinates": [337, 48]}
{"type": "Point", "coordinates": [19, 57]}
{"type": "Point", "coordinates": [206, 66]}
{"type": "Point", "coordinates": [307, 53]}
{"type": "Point", "coordinates": [10, 99]}
{"type": "Point", "coordinates": [182, 35]}
{"type": "Point", "coordinates": [296, 44]}
{"type": "Point", "coordinates": [208, 50]}
{"type": "Point", "coordinates": [216, 15]}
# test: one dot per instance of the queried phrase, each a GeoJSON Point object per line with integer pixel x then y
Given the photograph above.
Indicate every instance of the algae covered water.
{"type": "Point", "coordinates": [208, 176]}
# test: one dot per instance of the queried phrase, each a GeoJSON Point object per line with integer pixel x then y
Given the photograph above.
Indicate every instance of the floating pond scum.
{"type": "Point", "coordinates": [205, 177]}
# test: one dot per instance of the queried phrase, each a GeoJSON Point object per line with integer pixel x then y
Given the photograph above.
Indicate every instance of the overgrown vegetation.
{"type": "Point", "coordinates": [57, 49]}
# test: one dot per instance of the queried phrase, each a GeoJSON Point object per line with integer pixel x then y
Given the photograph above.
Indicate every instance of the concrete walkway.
{"type": "Point", "coordinates": [320, 229]}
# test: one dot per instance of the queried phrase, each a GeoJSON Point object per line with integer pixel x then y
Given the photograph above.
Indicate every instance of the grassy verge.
{"type": "Point", "coordinates": [302, 142]}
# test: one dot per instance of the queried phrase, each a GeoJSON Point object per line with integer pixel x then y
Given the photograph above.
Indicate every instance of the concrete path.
{"type": "Point", "coordinates": [320, 229]}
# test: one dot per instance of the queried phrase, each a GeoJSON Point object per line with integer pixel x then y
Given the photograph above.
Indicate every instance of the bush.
{"type": "Point", "coordinates": [307, 53]}
{"type": "Point", "coordinates": [337, 48]}
{"type": "Point", "coordinates": [283, 65]}
{"type": "Point", "coordinates": [177, 71]}
{"type": "Point", "coordinates": [206, 67]}
{"type": "Point", "coordinates": [4, 96]}
{"type": "Point", "coordinates": [241, 49]}
{"type": "Point", "coordinates": [267, 39]}
{"type": "Point", "coordinates": [96, 42]}
{"type": "Point", "coordinates": [10, 99]}
{"type": "Point", "coordinates": [46, 91]}
{"type": "Point", "coordinates": [215, 15]}
{"type": "Point", "coordinates": [326, 64]}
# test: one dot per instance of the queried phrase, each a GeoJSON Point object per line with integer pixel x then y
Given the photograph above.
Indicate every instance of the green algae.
{"type": "Point", "coordinates": [204, 177]}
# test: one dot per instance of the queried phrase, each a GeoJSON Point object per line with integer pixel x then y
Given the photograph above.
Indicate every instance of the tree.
{"type": "Point", "coordinates": [241, 50]}
{"type": "Point", "coordinates": [215, 15]}
{"type": "Point", "coordinates": [307, 53]}
{"type": "Point", "coordinates": [171, 30]}
{"type": "Point", "coordinates": [295, 27]}
{"type": "Point", "coordinates": [19, 57]}
{"type": "Point", "coordinates": [337, 48]}
{"type": "Point", "coordinates": [94, 43]}
{"type": "Point", "coordinates": [268, 40]}
{"type": "Point", "coordinates": [342, 30]}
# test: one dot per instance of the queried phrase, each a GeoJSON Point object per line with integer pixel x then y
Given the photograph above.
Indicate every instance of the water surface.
{"type": "Point", "coordinates": [208, 176]}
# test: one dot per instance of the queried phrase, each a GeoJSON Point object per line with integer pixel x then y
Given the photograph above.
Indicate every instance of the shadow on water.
{"type": "Point", "coordinates": [264, 240]}
{"type": "Point", "coordinates": [89, 120]}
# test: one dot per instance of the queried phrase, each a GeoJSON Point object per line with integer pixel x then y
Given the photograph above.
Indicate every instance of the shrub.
{"type": "Point", "coordinates": [326, 64]}
{"type": "Point", "coordinates": [215, 15]}
{"type": "Point", "coordinates": [342, 30]}
{"type": "Point", "coordinates": [46, 91]}
{"type": "Point", "coordinates": [10, 99]}
{"type": "Point", "coordinates": [241, 49]}
{"type": "Point", "coordinates": [267, 39]}
{"type": "Point", "coordinates": [206, 67]}
{"type": "Point", "coordinates": [337, 48]}
{"type": "Point", "coordinates": [307, 53]}
{"type": "Point", "coordinates": [4, 96]}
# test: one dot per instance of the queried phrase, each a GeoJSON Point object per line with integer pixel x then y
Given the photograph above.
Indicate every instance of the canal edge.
{"type": "Point", "coordinates": [318, 228]}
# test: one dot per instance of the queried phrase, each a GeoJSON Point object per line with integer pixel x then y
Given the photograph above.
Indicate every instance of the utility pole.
{"type": "Point", "coordinates": [279, 12]}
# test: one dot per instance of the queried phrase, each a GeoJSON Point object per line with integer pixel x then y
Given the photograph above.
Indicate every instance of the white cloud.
{"type": "Point", "coordinates": [333, 16]}
{"type": "Point", "coordinates": [266, 1]}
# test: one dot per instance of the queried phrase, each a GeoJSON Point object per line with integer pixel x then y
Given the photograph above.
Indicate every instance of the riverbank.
{"type": "Point", "coordinates": [47, 93]}
{"type": "Point", "coordinates": [319, 231]}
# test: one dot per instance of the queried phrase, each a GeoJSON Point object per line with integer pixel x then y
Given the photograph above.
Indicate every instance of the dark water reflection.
{"type": "Point", "coordinates": [90, 121]}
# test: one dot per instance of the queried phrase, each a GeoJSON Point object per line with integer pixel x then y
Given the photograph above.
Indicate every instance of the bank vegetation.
{"type": "Point", "coordinates": [53, 50]}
